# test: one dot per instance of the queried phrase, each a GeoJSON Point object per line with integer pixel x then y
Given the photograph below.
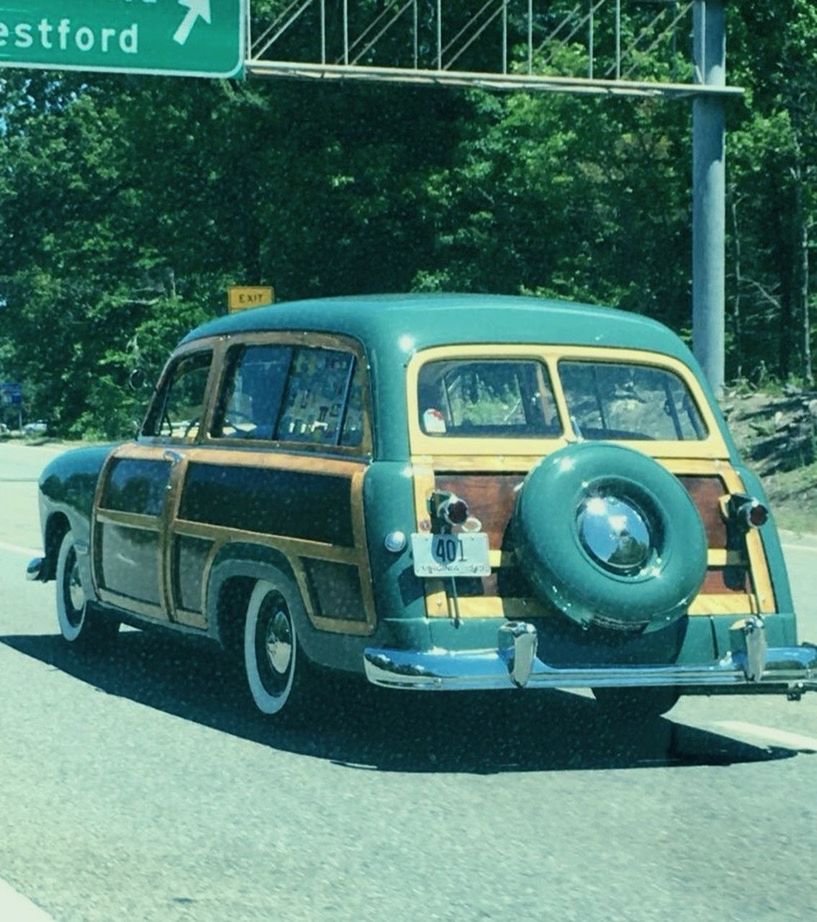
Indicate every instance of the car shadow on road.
{"type": "Point", "coordinates": [357, 726]}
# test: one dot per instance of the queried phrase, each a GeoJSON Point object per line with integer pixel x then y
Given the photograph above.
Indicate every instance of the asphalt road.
{"type": "Point", "coordinates": [144, 787]}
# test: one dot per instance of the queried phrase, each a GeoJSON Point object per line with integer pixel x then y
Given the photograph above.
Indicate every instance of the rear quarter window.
{"type": "Point", "coordinates": [285, 393]}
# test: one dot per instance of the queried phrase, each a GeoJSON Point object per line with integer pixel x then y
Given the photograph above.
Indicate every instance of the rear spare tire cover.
{"type": "Point", "coordinates": [610, 537]}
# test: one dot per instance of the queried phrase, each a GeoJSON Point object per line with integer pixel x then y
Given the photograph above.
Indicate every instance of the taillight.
{"type": "Point", "coordinates": [747, 512]}
{"type": "Point", "coordinates": [447, 509]}
{"type": "Point", "coordinates": [753, 514]}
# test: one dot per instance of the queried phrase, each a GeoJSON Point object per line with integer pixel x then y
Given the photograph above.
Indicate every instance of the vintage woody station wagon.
{"type": "Point", "coordinates": [436, 492]}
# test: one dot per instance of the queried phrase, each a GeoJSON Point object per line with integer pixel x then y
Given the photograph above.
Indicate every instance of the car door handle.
{"type": "Point", "coordinates": [172, 456]}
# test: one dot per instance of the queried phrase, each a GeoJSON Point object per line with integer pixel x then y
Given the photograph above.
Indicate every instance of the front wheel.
{"type": "Point", "coordinates": [637, 704]}
{"type": "Point", "coordinates": [79, 624]}
{"type": "Point", "coordinates": [278, 674]}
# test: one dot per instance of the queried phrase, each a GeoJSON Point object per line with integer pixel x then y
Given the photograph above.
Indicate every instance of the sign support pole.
{"type": "Point", "coordinates": [709, 193]}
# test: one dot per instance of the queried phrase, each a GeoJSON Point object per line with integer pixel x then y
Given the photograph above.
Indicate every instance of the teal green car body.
{"type": "Point", "coordinates": [221, 509]}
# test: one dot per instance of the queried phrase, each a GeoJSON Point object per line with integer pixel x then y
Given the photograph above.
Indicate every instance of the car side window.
{"type": "Point", "coordinates": [322, 402]}
{"type": "Point", "coordinates": [177, 409]}
{"type": "Point", "coordinates": [250, 400]}
{"type": "Point", "coordinates": [352, 434]}
{"type": "Point", "coordinates": [286, 393]}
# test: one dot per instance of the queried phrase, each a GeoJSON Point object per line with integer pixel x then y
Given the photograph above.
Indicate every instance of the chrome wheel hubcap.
{"type": "Point", "coordinates": [278, 642]}
{"type": "Point", "coordinates": [615, 534]}
{"type": "Point", "coordinates": [75, 593]}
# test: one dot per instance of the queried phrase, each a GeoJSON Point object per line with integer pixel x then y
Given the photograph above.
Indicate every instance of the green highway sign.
{"type": "Point", "coordinates": [196, 38]}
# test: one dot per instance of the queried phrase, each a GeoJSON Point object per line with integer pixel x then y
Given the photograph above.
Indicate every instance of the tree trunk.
{"type": "Point", "coordinates": [807, 369]}
{"type": "Point", "coordinates": [737, 330]}
{"type": "Point", "coordinates": [801, 270]}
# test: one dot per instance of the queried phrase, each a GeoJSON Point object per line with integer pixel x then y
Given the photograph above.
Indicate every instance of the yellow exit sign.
{"type": "Point", "coordinates": [242, 297]}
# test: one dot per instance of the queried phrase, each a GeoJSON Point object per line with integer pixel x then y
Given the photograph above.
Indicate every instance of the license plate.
{"type": "Point", "coordinates": [464, 554]}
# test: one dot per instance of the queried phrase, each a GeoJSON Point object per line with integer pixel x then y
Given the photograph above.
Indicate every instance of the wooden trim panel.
{"type": "Point", "coordinates": [737, 579]}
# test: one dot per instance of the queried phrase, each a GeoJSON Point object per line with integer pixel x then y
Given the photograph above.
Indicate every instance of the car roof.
{"type": "Point", "coordinates": [393, 327]}
{"type": "Point", "coordinates": [402, 324]}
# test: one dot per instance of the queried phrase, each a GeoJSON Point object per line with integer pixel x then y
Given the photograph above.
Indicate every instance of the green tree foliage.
{"type": "Point", "coordinates": [548, 194]}
{"type": "Point", "coordinates": [129, 204]}
{"type": "Point", "coordinates": [773, 154]}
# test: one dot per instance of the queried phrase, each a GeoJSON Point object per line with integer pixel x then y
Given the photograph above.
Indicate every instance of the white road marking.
{"type": "Point", "coordinates": [799, 547]}
{"type": "Point", "coordinates": [768, 734]}
{"type": "Point", "coordinates": [798, 541]}
{"type": "Point", "coordinates": [18, 549]}
{"type": "Point", "coordinates": [14, 905]}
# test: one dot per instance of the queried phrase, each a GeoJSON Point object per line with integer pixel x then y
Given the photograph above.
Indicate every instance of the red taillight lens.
{"type": "Point", "coordinates": [758, 515]}
{"type": "Point", "coordinates": [752, 514]}
{"type": "Point", "coordinates": [448, 508]}
{"type": "Point", "coordinates": [456, 511]}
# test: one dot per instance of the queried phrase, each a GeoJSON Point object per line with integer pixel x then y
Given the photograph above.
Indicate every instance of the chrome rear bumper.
{"type": "Point", "coordinates": [514, 663]}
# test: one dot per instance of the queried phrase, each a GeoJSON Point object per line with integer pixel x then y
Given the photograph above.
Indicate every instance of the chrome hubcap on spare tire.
{"type": "Point", "coordinates": [615, 534]}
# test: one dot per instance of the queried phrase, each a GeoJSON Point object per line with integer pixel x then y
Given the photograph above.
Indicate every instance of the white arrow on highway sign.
{"type": "Point", "coordinates": [196, 9]}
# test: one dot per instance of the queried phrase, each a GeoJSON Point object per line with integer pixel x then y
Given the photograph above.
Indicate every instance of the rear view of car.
{"type": "Point", "coordinates": [582, 519]}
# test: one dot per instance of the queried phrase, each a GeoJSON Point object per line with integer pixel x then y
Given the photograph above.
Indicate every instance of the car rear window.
{"type": "Point", "coordinates": [487, 398]}
{"type": "Point", "coordinates": [617, 400]}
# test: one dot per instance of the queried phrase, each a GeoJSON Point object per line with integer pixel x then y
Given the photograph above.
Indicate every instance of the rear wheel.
{"type": "Point", "coordinates": [278, 674]}
{"type": "Point", "coordinates": [79, 624]}
{"type": "Point", "coordinates": [637, 703]}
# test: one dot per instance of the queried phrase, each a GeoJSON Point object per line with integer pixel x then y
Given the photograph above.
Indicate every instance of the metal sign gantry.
{"type": "Point", "coordinates": [589, 46]}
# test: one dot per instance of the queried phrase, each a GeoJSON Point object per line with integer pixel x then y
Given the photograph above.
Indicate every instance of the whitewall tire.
{"type": "Point", "coordinates": [79, 625]}
{"type": "Point", "coordinates": [276, 670]}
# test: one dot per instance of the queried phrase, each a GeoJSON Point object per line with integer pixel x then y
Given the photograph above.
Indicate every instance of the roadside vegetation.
{"type": "Point", "coordinates": [776, 431]}
{"type": "Point", "coordinates": [793, 499]}
{"type": "Point", "coordinates": [128, 205]}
